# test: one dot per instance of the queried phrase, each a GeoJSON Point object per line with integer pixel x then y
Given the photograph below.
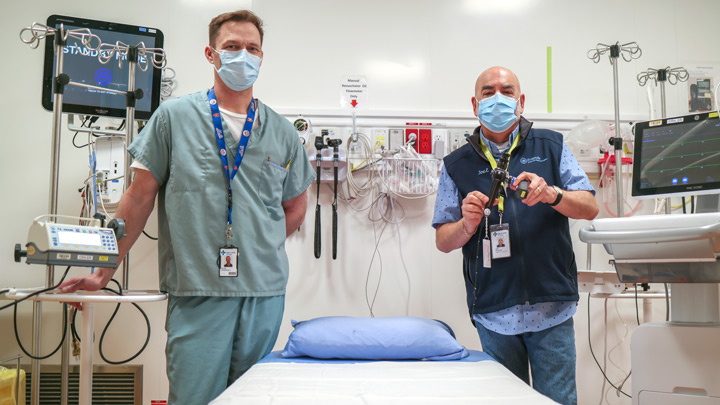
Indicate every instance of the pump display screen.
{"type": "Point", "coordinates": [83, 66]}
{"type": "Point", "coordinates": [76, 238]}
{"type": "Point", "coordinates": [677, 156]}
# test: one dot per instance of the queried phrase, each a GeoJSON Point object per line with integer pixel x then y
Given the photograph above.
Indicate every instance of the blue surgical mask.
{"type": "Point", "coordinates": [239, 69]}
{"type": "Point", "coordinates": [497, 113]}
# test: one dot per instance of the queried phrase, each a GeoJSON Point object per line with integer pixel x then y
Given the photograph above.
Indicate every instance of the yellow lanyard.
{"type": "Point", "coordinates": [493, 163]}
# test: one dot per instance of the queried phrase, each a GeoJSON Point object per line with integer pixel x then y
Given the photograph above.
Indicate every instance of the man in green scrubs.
{"type": "Point", "coordinates": [230, 175]}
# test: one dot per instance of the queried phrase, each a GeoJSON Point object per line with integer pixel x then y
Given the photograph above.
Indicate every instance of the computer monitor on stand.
{"type": "Point", "coordinates": [679, 157]}
{"type": "Point", "coordinates": [674, 362]}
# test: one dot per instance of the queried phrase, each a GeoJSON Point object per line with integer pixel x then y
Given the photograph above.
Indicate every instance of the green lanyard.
{"type": "Point", "coordinates": [493, 163]}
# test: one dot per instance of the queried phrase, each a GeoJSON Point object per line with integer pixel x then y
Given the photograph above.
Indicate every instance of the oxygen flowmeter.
{"type": "Point", "coordinates": [52, 243]}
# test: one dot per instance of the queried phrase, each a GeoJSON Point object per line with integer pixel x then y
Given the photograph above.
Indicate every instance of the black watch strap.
{"type": "Point", "coordinates": [559, 192]}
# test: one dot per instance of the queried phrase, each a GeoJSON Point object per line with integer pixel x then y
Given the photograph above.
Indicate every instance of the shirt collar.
{"type": "Point", "coordinates": [493, 147]}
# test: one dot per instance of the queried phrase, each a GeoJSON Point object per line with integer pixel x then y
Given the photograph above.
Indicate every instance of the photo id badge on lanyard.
{"type": "Point", "coordinates": [227, 258]}
{"type": "Point", "coordinates": [228, 261]}
{"type": "Point", "coordinates": [500, 241]}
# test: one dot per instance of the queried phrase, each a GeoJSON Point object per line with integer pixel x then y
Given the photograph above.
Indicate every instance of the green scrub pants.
{"type": "Point", "coordinates": [213, 340]}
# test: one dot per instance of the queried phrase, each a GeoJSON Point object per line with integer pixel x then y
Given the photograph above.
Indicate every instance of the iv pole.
{"type": "Point", "coordinates": [60, 80]}
{"type": "Point", "coordinates": [668, 74]}
{"type": "Point", "coordinates": [628, 51]}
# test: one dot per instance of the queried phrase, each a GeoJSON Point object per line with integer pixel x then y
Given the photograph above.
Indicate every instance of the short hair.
{"type": "Point", "coordinates": [238, 16]}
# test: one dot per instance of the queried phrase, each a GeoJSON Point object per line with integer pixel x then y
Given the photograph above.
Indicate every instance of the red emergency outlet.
{"type": "Point", "coordinates": [425, 143]}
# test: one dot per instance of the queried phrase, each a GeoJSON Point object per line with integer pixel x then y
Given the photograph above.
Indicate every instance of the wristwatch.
{"type": "Point", "coordinates": [559, 192]}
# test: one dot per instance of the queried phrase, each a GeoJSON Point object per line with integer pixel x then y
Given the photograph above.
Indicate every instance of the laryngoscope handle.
{"type": "Point", "coordinates": [493, 195]}
{"type": "Point", "coordinates": [334, 232]}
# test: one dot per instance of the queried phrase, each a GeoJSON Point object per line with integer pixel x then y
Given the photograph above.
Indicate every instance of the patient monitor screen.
{"type": "Point", "coordinates": [677, 156]}
{"type": "Point", "coordinates": [83, 66]}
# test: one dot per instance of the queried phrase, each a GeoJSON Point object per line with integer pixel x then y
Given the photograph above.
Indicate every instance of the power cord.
{"type": "Point", "coordinates": [92, 120]}
{"type": "Point", "coordinates": [72, 324]}
{"type": "Point", "coordinates": [150, 237]}
{"type": "Point", "coordinates": [15, 328]}
{"type": "Point", "coordinates": [76, 336]}
{"type": "Point", "coordinates": [595, 358]}
{"type": "Point", "coordinates": [36, 292]}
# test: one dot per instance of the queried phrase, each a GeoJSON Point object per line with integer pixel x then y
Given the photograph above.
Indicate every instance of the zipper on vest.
{"type": "Point", "coordinates": [513, 202]}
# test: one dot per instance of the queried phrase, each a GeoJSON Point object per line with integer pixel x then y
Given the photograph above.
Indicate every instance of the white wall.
{"type": "Point", "coordinates": [420, 58]}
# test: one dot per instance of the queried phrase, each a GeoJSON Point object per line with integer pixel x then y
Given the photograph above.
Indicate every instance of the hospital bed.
{"type": "Point", "coordinates": [455, 377]}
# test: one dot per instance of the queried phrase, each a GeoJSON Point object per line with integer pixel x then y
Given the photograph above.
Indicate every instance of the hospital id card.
{"type": "Point", "coordinates": [500, 241]}
{"type": "Point", "coordinates": [228, 261]}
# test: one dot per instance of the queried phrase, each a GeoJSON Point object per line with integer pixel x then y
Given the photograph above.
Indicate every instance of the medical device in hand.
{"type": "Point", "coordinates": [52, 243]}
{"type": "Point", "coordinates": [501, 178]}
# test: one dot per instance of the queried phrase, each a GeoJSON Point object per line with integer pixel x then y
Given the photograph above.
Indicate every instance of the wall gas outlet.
{"type": "Point", "coordinates": [381, 139]}
{"type": "Point", "coordinates": [411, 135]}
{"type": "Point", "coordinates": [457, 138]}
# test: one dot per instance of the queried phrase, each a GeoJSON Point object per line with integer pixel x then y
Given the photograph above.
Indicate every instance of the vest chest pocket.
{"type": "Point", "coordinates": [270, 186]}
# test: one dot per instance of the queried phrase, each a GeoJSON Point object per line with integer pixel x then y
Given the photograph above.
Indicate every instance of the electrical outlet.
{"type": "Point", "coordinates": [440, 138]}
{"type": "Point", "coordinates": [424, 141]}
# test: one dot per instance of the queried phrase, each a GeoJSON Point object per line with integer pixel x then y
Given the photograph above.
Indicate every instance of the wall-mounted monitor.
{"type": "Point", "coordinates": [83, 66]}
{"type": "Point", "coordinates": [677, 157]}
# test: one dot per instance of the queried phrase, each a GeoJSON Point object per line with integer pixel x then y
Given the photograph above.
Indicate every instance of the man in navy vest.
{"type": "Point", "coordinates": [521, 296]}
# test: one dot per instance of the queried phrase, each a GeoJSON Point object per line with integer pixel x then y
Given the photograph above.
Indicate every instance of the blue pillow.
{"type": "Point", "coordinates": [397, 338]}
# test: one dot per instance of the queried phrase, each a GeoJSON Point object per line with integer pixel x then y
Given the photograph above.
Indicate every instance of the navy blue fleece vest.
{"type": "Point", "coordinates": [542, 266]}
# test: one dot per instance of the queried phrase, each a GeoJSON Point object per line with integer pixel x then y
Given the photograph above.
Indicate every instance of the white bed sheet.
{"type": "Point", "coordinates": [380, 382]}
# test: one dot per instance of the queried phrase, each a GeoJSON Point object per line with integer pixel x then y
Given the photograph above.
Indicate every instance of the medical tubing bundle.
{"type": "Point", "coordinates": [353, 187]}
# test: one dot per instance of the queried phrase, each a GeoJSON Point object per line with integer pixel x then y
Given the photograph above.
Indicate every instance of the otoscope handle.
{"type": "Point", "coordinates": [317, 232]}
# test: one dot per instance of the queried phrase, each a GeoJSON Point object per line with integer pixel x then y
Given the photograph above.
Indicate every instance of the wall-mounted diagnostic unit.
{"type": "Point", "coordinates": [51, 243]}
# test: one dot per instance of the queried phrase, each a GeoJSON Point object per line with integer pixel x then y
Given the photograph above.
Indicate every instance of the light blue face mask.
{"type": "Point", "coordinates": [497, 113]}
{"type": "Point", "coordinates": [239, 69]}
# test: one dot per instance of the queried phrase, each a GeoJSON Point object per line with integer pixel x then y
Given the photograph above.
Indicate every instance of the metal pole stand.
{"type": "Point", "coordinates": [628, 51]}
{"type": "Point", "coordinates": [673, 76]}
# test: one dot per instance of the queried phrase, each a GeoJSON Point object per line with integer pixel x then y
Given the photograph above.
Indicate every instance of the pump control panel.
{"type": "Point", "coordinates": [51, 243]}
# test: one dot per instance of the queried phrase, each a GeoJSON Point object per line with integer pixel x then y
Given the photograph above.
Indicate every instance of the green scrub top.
{"type": "Point", "coordinates": [179, 147]}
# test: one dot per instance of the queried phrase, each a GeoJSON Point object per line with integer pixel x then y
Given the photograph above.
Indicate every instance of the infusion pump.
{"type": "Point", "coordinates": [52, 243]}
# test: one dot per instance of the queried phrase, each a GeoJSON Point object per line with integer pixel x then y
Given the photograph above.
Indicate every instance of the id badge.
{"type": "Point", "coordinates": [228, 261]}
{"type": "Point", "coordinates": [500, 241]}
{"type": "Point", "coordinates": [486, 254]}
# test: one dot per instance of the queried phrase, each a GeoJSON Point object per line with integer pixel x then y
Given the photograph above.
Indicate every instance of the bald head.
{"type": "Point", "coordinates": [497, 79]}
